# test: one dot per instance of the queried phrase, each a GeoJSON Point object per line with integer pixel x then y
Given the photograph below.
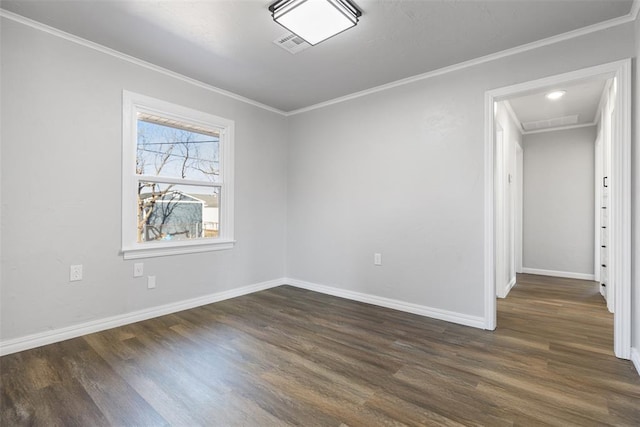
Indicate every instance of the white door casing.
{"type": "Point", "coordinates": [519, 200]}
{"type": "Point", "coordinates": [599, 175]}
{"type": "Point", "coordinates": [620, 193]}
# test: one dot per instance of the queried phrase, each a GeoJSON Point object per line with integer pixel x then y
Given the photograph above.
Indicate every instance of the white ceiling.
{"type": "Point", "coordinates": [582, 99]}
{"type": "Point", "coordinates": [228, 43]}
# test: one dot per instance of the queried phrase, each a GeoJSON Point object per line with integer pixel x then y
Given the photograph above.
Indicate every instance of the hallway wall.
{"type": "Point", "coordinates": [559, 201]}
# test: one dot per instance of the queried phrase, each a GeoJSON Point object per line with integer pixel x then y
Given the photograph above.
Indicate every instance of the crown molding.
{"type": "Point", "coordinates": [635, 9]}
{"type": "Point", "coordinates": [630, 17]}
{"type": "Point", "coordinates": [514, 117]}
{"type": "Point", "coordinates": [112, 52]}
{"type": "Point", "coordinates": [559, 128]}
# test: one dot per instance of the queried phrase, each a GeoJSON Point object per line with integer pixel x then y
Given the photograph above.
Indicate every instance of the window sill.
{"type": "Point", "coordinates": [158, 249]}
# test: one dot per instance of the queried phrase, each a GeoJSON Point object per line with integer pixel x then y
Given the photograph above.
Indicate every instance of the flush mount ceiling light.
{"type": "Point", "coordinates": [315, 20]}
{"type": "Point", "coordinates": [557, 94]}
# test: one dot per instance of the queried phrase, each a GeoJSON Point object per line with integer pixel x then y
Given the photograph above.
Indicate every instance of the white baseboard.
{"type": "Point", "coordinates": [510, 286]}
{"type": "Point", "coordinates": [61, 334]}
{"type": "Point", "coordinates": [436, 313]}
{"type": "Point", "coordinates": [56, 335]}
{"type": "Point", "coordinates": [553, 273]}
{"type": "Point", "coordinates": [635, 358]}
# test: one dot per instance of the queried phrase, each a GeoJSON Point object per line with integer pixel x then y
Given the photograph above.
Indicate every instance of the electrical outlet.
{"type": "Point", "coordinates": [75, 273]}
{"type": "Point", "coordinates": [138, 269]}
{"type": "Point", "coordinates": [151, 282]}
{"type": "Point", "coordinates": [377, 259]}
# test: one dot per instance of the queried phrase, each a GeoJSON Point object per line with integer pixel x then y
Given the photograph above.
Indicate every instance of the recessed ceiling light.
{"type": "Point", "coordinates": [315, 20]}
{"type": "Point", "coordinates": [556, 94]}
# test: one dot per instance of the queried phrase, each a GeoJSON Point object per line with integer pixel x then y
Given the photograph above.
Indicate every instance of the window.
{"type": "Point", "coordinates": [177, 179]}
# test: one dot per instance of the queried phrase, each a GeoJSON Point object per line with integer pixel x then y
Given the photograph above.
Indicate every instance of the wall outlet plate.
{"type": "Point", "coordinates": [138, 269]}
{"type": "Point", "coordinates": [75, 273]}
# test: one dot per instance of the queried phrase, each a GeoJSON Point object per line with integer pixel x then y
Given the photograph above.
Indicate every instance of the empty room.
{"type": "Point", "coordinates": [319, 212]}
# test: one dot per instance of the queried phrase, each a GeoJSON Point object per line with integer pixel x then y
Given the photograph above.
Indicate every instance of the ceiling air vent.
{"type": "Point", "coordinates": [551, 123]}
{"type": "Point", "coordinates": [291, 43]}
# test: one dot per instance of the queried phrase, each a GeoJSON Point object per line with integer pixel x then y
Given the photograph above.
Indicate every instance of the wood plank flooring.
{"type": "Point", "coordinates": [288, 356]}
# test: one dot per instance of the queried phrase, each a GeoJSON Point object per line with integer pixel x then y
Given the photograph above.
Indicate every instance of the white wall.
{"type": "Point", "coordinates": [506, 197]}
{"type": "Point", "coordinates": [559, 201]}
{"type": "Point", "coordinates": [61, 182]}
{"type": "Point", "coordinates": [401, 172]}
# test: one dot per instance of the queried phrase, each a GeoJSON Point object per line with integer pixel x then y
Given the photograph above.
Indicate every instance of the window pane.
{"type": "Point", "coordinates": [177, 152]}
{"type": "Point", "coordinates": [177, 212]}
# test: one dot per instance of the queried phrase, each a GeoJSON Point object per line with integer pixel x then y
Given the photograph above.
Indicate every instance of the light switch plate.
{"type": "Point", "coordinates": [377, 259]}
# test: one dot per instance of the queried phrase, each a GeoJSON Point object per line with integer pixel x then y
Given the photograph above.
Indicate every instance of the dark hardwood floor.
{"type": "Point", "coordinates": [288, 356]}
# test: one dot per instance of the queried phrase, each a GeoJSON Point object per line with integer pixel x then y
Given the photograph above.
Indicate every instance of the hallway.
{"type": "Point", "coordinates": [564, 333]}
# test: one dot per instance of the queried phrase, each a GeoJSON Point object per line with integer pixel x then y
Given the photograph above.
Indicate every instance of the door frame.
{"type": "Point", "coordinates": [501, 220]}
{"type": "Point", "coordinates": [519, 208]}
{"type": "Point", "coordinates": [620, 196]}
{"type": "Point", "coordinates": [598, 174]}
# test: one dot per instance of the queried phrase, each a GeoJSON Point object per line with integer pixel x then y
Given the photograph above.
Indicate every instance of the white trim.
{"type": "Point", "coordinates": [435, 313]}
{"type": "Point", "coordinates": [513, 115]}
{"type": "Point", "coordinates": [179, 181]}
{"type": "Point", "coordinates": [490, 309]}
{"type": "Point", "coordinates": [558, 128]}
{"type": "Point", "coordinates": [555, 273]}
{"type": "Point", "coordinates": [620, 219]}
{"type": "Point", "coordinates": [507, 288]}
{"type": "Point", "coordinates": [132, 104]}
{"type": "Point", "coordinates": [620, 241]}
{"type": "Point", "coordinates": [597, 214]}
{"type": "Point", "coordinates": [500, 212]}
{"type": "Point", "coordinates": [603, 71]}
{"type": "Point", "coordinates": [635, 9]}
{"type": "Point", "coordinates": [603, 99]}
{"type": "Point", "coordinates": [511, 284]}
{"type": "Point", "coordinates": [635, 358]}
{"type": "Point", "coordinates": [630, 17]}
{"type": "Point", "coordinates": [107, 50]}
{"type": "Point", "coordinates": [61, 334]}
{"type": "Point", "coordinates": [519, 233]}
{"type": "Point", "coordinates": [181, 247]}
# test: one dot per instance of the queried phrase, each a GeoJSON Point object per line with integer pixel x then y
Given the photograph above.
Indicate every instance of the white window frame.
{"type": "Point", "coordinates": [134, 103]}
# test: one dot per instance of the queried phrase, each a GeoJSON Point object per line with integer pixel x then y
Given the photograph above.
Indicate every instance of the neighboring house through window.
{"type": "Point", "coordinates": [177, 179]}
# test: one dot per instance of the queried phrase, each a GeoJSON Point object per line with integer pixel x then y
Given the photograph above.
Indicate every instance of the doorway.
{"type": "Point", "coordinates": [619, 262]}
